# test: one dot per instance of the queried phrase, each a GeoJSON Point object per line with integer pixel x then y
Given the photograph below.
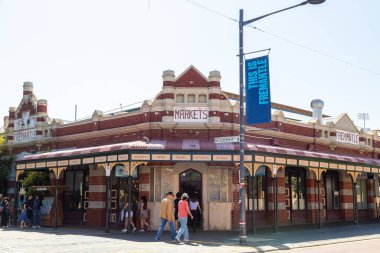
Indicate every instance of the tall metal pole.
{"type": "Point", "coordinates": [129, 200]}
{"type": "Point", "coordinates": [253, 206]}
{"type": "Point", "coordinates": [355, 197]}
{"type": "Point", "coordinates": [242, 220]}
{"type": "Point", "coordinates": [56, 200]}
{"type": "Point", "coordinates": [319, 204]}
{"type": "Point", "coordinates": [107, 230]}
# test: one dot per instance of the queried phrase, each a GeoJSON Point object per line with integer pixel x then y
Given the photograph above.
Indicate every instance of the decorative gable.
{"type": "Point", "coordinates": [191, 77]}
{"type": "Point", "coordinates": [343, 122]}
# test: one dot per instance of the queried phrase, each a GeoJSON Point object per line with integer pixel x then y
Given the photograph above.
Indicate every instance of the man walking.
{"type": "Point", "coordinates": [37, 212]}
{"type": "Point", "coordinates": [167, 215]}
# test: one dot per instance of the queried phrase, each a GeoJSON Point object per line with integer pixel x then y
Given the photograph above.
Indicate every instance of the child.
{"type": "Point", "coordinates": [23, 217]}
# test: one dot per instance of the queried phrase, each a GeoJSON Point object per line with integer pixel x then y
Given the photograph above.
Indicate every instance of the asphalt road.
{"type": "Point", "coordinates": [364, 246]}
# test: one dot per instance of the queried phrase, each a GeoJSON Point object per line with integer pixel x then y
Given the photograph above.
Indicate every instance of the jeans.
{"type": "Point", "coordinates": [183, 230]}
{"type": "Point", "coordinates": [37, 217]}
{"type": "Point", "coordinates": [162, 226]}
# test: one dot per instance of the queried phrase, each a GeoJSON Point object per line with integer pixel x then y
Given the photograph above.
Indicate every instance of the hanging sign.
{"type": "Point", "coordinates": [257, 90]}
{"type": "Point", "coordinates": [121, 171]}
{"type": "Point", "coordinates": [108, 171]}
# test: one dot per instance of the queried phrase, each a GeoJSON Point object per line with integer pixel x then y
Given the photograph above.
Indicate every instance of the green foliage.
{"type": "Point", "coordinates": [35, 178]}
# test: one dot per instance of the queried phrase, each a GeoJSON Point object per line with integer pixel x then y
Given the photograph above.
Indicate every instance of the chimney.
{"type": "Point", "coordinates": [168, 77]}
{"type": "Point", "coordinates": [28, 88]}
{"type": "Point", "coordinates": [317, 106]}
{"type": "Point", "coordinates": [214, 78]}
{"type": "Point", "coordinates": [6, 122]}
{"type": "Point", "coordinates": [42, 106]}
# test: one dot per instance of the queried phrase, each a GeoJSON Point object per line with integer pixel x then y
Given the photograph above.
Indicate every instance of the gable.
{"type": "Point", "coordinates": [191, 78]}
{"type": "Point", "coordinates": [343, 122]}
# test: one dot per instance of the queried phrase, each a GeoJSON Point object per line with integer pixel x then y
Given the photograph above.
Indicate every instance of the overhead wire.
{"type": "Point", "coordinates": [353, 65]}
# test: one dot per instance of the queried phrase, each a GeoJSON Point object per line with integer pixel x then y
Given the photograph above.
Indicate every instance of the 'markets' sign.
{"type": "Point", "coordinates": [191, 114]}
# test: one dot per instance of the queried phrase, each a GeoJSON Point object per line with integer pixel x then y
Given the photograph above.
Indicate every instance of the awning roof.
{"type": "Point", "coordinates": [194, 146]}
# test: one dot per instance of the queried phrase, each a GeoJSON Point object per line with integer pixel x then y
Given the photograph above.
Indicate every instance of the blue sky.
{"type": "Point", "coordinates": [98, 54]}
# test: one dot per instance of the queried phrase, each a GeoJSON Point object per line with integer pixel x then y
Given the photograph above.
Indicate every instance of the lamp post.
{"type": "Point", "coordinates": [242, 23]}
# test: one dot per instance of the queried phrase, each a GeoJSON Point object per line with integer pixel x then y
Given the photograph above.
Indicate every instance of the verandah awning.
{"type": "Point", "coordinates": [198, 151]}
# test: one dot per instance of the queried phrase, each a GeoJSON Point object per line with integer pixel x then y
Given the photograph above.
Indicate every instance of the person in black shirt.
{"type": "Point", "coordinates": [176, 201]}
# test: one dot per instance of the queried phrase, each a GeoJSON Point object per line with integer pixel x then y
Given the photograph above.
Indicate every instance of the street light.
{"type": "Point", "coordinates": [242, 23]}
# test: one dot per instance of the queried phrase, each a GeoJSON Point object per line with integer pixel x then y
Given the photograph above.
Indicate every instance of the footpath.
{"type": "Point", "coordinates": [95, 240]}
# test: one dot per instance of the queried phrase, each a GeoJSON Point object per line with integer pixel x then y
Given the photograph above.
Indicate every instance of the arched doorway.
{"type": "Point", "coordinates": [190, 181]}
{"type": "Point", "coordinates": [73, 199]}
{"type": "Point", "coordinates": [120, 193]}
{"type": "Point", "coordinates": [295, 194]}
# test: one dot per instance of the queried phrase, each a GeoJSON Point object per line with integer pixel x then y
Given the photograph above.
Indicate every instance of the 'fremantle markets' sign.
{"type": "Point", "coordinates": [347, 137]}
{"type": "Point", "coordinates": [191, 114]}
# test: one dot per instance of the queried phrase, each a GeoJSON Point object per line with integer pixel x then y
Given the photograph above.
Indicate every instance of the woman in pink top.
{"type": "Point", "coordinates": [183, 212]}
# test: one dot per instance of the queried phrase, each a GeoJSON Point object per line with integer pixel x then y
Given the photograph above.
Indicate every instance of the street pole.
{"type": "Point", "coordinates": [242, 23]}
{"type": "Point", "coordinates": [108, 177]}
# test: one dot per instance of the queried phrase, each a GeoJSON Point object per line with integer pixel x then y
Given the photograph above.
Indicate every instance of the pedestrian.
{"type": "Point", "coordinates": [37, 212]}
{"type": "Point", "coordinates": [29, 210]}
{"type": "Point", "coordinates": [196, 211]}
{"type": "Point", "coordinates": [176, 201]}
{"type": "Point", "coordinates": [166, 215]}
{"type": "Point", "coordinates": [144, 214]}
{"type": "Point", "coordinates": [5, 212]}
{"type": "Point", "coordinates": [128, 214]}
{"type": "Point", "coordinates": [23, 217]}
{"type": "Point", "coordinates": [183, 212]}
{"type": "Point", "coordinates": [1, 207]}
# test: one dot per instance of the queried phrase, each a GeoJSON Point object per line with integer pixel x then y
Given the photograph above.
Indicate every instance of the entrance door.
{"type": "Point", "coordinates": [76, 182]}
{"type": "Point", "coordinates": [190, 182]}
{"type": "Point", "coordinates": [119, 195]}
{"type": "Point", "coordinates": [295, 194]}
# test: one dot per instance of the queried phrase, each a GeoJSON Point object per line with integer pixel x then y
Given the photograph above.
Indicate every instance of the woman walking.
{"type": "Point", "coordinates": [128, 214]}
{"type": "Point", "coordinates": [144, 214]}
{"type": "Point", "coordinates": [183, 212]}
{"type": "Point", "coordinates": [196, 211]}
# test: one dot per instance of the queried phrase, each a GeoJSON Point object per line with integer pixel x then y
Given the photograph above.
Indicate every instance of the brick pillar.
{"type": "Point", "coordinates": [371, 198]}
{"type": "Point", "coordinates": [282, 213]}
{"type": "Point", "coordinates": [235, 199]}
{"type": "Point", "coordinates": [270, 200]}
{"type": "Point", "coordinates": [311, 197]}
{"type": "Point", "coordinates": [95, 213]}
{"type": "Point", "coordinates": [144, 182]}
{"type": "Point", "coordinates": [346, 197]}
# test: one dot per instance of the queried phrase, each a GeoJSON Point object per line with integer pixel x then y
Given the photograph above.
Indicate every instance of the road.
{"type": "Point", "coordinates": [364, 246]}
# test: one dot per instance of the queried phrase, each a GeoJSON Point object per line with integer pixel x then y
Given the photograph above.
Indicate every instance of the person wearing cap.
{"type": "Point", "coordinates": [166, 215]}
{"type": "Point", "coordinates": [183, 213]}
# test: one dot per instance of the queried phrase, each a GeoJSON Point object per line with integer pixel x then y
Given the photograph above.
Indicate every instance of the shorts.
{"type": "Point", "coordinates": [144, 214]}
{"type": "Point", "coordinates": [126, 214]}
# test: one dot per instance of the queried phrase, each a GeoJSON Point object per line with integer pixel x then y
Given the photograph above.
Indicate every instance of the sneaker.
{"type": "Point", "coordinates": [177, 239]}
{"type": "Point", "coordinates": [38, 226]}
{"type": "Point", "coordinates": [134, 229]}
{"type": "Point", "coordinates": [156, 239]}
{"type": "Point", "coordinates": [187, 240]}
{"type": "Point", "coordinates": [34, 227]}
{"type": "Point", "coordinates": [124, 230]}
{"type": "Point", "coordinates": [141, 230]}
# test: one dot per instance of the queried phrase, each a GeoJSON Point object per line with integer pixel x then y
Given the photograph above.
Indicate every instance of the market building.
{"type": "Point", "coordinates": [182, 141]}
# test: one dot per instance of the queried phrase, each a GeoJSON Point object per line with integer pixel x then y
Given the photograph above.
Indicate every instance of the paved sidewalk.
{"type": "Point", "coordinates": [72, 240]}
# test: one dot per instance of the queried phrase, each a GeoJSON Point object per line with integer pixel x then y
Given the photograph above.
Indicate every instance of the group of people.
{"type": "Point", "coordinates": [179, 214]}
{"type": "Point", "coordinates": [28, 212]}
{"type": "Point", "coordinates": [127, 215]}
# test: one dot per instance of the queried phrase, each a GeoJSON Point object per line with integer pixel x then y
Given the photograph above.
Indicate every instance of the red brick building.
{"type": "Point", "coordinates": [306, 168]}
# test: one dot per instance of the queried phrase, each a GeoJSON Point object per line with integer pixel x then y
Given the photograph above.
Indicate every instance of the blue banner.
{"type": "Point", "coordinates": [257, 90]}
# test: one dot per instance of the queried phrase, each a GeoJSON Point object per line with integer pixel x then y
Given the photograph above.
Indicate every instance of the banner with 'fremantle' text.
{"type": "Point", "coordinates": [257, 90]}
